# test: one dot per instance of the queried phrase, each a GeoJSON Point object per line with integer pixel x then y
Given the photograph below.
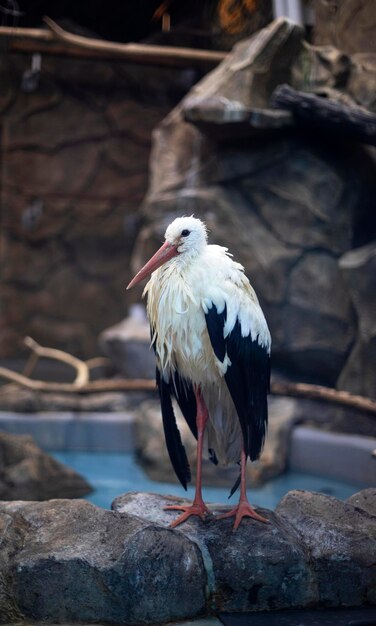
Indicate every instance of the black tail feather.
{"type": "Point", "coordinates": [235, 486]}
{"type": "Point", "coordinates": [174, 443]}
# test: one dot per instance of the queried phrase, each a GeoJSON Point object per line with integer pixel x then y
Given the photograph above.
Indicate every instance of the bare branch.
{"type": "Point", "coordinates": [82, 369]}
{"type": "Point", "coordinates": [94, 386]}
{"type": "Point", "coordinates": [98, 361]}
{"type": "Point", "coordinates": [298, 390]}
{"type": "Point", "coordinates": [22, 380]}
{"type": "Point", "coordinates": [83, 385]}
{"type": "Point", "coordinates": [59, 41]}
{"type": "Point", "coordinates": [30, 364]}
{"type": "Point", "coordinates": [16, 32]}
{"type": "Point", "coordinates": [327, 394]}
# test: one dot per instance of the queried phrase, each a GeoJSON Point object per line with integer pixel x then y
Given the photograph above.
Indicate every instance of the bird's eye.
{"type": "Point", "coordinates": [185, 232]}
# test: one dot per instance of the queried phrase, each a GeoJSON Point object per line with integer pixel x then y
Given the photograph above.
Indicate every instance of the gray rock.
{"type": "Point", "coordinates": [208, 113]}
{"type": "Point", "coordinates": [255, 66]}
{"type": "Point", "coordinates": [332, 24]}
{"type": "Point", "coordinates": [319, 68]}
{"type": "Point", "coordinates": [312, 542]}
{"type": "Point", "coordinates": [341, 541]}
{"type": "Point", "coordinates": [325, 324]}
{"type": "Point", "coordinates": [76, 562]}
{"type": "Point", "coordinates": [258, 567]}
{"type": "Point", "coordinates": [365, 500]}
{"type": "Point", "coordinates": [358, 268]}
{"type": "Point", "coordinates": [11, 541]}
{"type": "Point", "coordinates": [69, 561]}
{"type": "Point", "coordinates": [28, 473]}
{"type": "Point", "coordinates": [362, 81]}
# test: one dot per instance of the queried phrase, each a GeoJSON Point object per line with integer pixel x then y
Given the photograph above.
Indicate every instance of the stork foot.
{"type": "Point", "coordinates": [199, 509]}
{"type": "Point", "coordinates": [243, 509]}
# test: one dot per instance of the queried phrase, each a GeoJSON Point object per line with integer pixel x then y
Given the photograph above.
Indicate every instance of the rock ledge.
{"type": "Point", "coordinates": [70, 561]}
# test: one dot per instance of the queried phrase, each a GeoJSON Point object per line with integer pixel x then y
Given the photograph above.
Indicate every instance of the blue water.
{"type": "Point", "coordinates": [112, 474]}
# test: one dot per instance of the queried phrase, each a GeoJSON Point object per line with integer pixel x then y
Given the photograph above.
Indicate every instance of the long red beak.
{"type": "Point", "coordinates": [164, 254]}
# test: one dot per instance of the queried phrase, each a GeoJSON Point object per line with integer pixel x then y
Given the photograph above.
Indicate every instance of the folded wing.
{"type": "Point", "coordinates": [247, 376]}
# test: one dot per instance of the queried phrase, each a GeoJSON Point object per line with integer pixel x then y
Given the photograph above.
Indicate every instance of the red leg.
{"type": "Point", "coordinates": [243, 509]}
{"type": "Point", "coordinates": [198, 506]}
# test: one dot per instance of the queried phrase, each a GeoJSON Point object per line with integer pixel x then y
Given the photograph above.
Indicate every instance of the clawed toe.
{"type": "Point", "coordinates": [243, 509]}
{"type": "Point", "coordinates": [199, 510]}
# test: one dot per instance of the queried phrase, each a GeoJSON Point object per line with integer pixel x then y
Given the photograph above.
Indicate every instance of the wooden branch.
{"type": "Point", "coordinates": [326, 394]}
{"type": "Point", "coordinates": [298, 390]}
{"type": "Point", "coordinates": [316, 112]}
{"type": "Point", "coordinates": [81, 367]}
{"type": "Point", "coordinates": [94, 386]}
{"type": "Point", "coordinates": [98, 361]}
{"type": "Point", "coordinates": [30, 364]}
{"type": "Point", "coordinates": [58, 41]}
{"type": "Point", "coordinates": [36, 34]}
{"type": "Point", "coordinates": [83, 385]}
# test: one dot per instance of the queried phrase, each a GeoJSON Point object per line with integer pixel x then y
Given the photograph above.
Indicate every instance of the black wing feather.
{"type": "Point", "coordinates": [184, 394]}
{"type": "Point", "coordinates": [215, 322]}
{"type": "Point", "coordinates": [174, 443]}
{"type": "Point", "coordinates": [247, 378]}
{"type": "Point", "coordinates": [182, 389]}
{"type": "Point", "coordinates": [248, 381]}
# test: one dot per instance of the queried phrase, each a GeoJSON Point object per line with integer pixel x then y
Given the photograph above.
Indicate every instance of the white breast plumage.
{"type": "Point", "coordinates": [177, 318]}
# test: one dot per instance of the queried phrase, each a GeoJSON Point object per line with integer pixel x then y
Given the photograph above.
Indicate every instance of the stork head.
{"type": "Point", "coordinates": [188, 234]}
{"type": "Point", "coordinates": [185, 237]}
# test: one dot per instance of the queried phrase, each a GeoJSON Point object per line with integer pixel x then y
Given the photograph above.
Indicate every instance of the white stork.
{"type": "Point", "coordinates": [212, 345]}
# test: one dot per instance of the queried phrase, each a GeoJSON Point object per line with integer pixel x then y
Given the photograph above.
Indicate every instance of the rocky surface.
{"type": "Point", "coordinates": [237, 93]}
{"type": "Point", "coordinates": [343, 561]}
{"type": "Point", "coordinates": [69, 561]}
{"type": "Point", "coordinates": [76, 562]}
{"type": "Point", "coordinates": [28, 473]}
{"type": "Point", "coordinates": [362, 80]}
{"type": "Point", "coordinates": [333, 20]}
{"type": "Point", "coordinates": [287, 562]}
{"type": "Point", "coordinates": [358, 268]}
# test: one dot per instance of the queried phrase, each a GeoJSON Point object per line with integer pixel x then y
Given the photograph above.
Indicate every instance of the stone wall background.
{"type": "Point", "coordinates": [73, 171]}
{"type": "Point", "coordinates": [346, 24]}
